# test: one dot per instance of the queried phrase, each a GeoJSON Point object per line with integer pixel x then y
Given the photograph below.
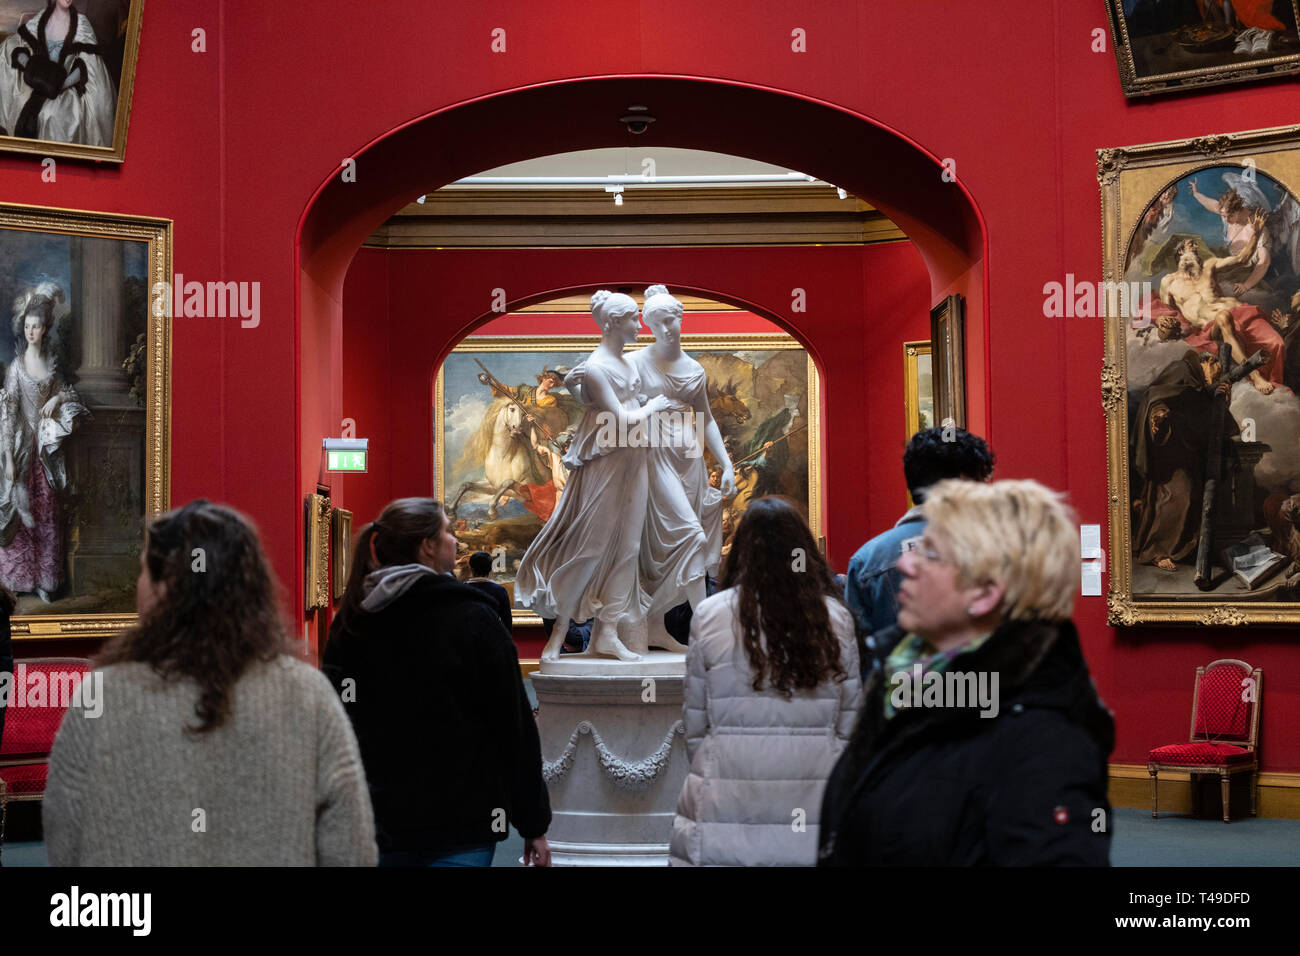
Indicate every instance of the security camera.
{"type": "Point", "coordinates": [637, 120]}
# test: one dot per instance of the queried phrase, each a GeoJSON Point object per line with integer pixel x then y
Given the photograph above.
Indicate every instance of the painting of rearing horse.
{"type": "Point", "coordinates": [502, 477]}
{"type": "Point", "coordinates": [502, 443]}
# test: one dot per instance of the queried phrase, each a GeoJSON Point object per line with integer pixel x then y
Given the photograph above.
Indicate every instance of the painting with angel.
{"type": "Point", "coordinates": [1205, 444]}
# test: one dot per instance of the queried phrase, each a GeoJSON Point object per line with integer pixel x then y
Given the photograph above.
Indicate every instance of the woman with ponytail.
{"type": "Point", "coordinates": [430, 677]}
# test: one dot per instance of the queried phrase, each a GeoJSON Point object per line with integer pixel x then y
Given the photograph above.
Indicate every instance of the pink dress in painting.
{"type": "Point", "coordinates": [31, 530]}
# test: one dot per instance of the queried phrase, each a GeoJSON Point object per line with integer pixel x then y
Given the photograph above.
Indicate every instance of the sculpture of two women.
{"type": "Point", "coordinates": [638, 525]}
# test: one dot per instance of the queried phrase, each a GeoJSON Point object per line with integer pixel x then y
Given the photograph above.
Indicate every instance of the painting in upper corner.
{"type": "Point", "coordinates": [1164, 45]}
{"type": "Point", "coordinates": [1202, 245]}
{"type": "Point", "coordinates": [66, 71]}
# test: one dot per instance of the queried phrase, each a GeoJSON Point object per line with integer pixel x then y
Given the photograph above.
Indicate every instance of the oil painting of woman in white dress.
{"type": "Point", "coordinates": [54, 83]}
{"type": "Point", "coordinates": [38, 411]}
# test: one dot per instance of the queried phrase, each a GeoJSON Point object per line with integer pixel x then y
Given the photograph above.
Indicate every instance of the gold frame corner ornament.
{"type": "Point", "coordinates": [156, 233]}
{"type": "Point", "coordinates": [690, 342]}
{"type": "Point", "coordinates": [1128, 179]}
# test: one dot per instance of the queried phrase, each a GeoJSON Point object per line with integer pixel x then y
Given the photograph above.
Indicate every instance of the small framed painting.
{"type": "Point", "coordinates": [342, 535]}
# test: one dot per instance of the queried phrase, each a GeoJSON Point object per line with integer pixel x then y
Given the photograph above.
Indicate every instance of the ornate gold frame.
{"type": "Point", "coordinates": [126, 84]}
{"type": "Point", "coordinates": [911, 385]}
{"type": "Point", "coordinates": [585, 343]}
{"type": "Point", "coordinates": [316, 553]}
{"type": "Point", "coordinates": [157, 466]}
{"type": "Point", "coordinates": [1129, 177]}
{"type": "Point", "coordinates": [1263, 69]}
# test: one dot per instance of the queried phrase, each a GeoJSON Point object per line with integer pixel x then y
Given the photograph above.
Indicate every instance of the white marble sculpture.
{"type": "Point", "coordinates": [682, 537]}
{"type": "Point", "coordinates": [584, 562]}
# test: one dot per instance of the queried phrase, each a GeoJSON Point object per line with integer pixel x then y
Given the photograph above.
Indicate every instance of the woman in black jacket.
{"type": "Point", "coordinates": [430, 678]}
{"type": "Point", "coordinates": [982, 740]}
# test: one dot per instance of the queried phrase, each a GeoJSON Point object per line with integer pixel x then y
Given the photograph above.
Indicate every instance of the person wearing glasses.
{"type": "Point", "coordinates": [871, 588]}
{"type": "Point", "coordinates": [982, 740]}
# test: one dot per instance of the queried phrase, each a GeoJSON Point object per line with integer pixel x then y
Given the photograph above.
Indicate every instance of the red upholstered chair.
{"type": "Point", "coordinates": [29, 731]}
{"type": "Point", "coordinates": [1225, 731]}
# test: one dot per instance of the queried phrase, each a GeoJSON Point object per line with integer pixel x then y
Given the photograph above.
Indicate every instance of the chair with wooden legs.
{"type": "Point", "coordinates": [1225, 732]}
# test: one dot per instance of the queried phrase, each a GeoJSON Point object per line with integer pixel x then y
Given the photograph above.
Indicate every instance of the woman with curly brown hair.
{"type": "Point", "coordinates": [772, 693]}
{"type": "Point", "coordinates": [215, 747]}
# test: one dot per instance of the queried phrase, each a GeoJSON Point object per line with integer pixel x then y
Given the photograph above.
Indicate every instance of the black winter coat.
{"type": "Point", "coordinates": [447, 736]}
{"type": "Point", "coordinates": [947, 787]}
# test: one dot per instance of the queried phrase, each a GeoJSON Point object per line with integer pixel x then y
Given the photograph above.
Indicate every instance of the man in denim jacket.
{"type": "Point", "coordinates": [873, 579]}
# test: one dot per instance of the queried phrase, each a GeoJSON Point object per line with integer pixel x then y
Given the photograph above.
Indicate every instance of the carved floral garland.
{"type": "Point", "coordinates": [627, 775]}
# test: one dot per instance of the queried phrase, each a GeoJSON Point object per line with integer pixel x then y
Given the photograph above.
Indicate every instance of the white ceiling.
{"type": "Point", "coordinates": [628, 161]}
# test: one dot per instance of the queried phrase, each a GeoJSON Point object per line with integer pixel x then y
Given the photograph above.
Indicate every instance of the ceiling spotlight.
{"type": "Point", "coordinates": [842, 193]}
{"type": "Point", "coordinates": [618, 199]}
{"type": "Point", "coordinates": [421, 200]}
{"type": "Point", "coordinates": [637, 119]}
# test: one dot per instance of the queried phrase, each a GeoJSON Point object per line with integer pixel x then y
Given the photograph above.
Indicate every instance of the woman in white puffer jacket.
{"type": "Point", "coordinates": [760, 757]}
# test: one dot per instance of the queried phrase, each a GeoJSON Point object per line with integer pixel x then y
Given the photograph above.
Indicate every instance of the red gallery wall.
{"type": "Point", "coordinates": [232, 144]}
{"type": "Point", "coordinates": [885, 295]}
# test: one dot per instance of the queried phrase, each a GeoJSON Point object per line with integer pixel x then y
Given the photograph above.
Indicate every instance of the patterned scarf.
{"type": "Point", "coordinates": [913, 649]}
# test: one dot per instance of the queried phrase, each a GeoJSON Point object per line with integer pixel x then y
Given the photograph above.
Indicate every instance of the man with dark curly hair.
{"type": "Point", "coordinates": [871, 591]}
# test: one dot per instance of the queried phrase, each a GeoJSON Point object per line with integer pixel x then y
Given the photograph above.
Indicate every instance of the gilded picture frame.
{"type": "Point", "coordinates": [729, 351]}
{"type": "Point", "coordinates": [948, 351]}
{"type": "Point", "coordinates": [119, 50]}
{"type": "Point", "coordinates": [918, 388]}
{"type": "Point", "coordinates": [1171, 49]}
{"type": "Point", "coordinates": [341, 528]}
{"type": "Point", "coordinates": [316, 552]}
{"type": "Point", "coordinates": [1162, 208]}
{"type": "Point", "coordinates": [918, 392]}
{"type": "Point", "coordinates": [46, 243]}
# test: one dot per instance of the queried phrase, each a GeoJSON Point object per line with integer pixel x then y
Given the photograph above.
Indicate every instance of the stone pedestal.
{"type": "Point", "coordinates": [614, 757]}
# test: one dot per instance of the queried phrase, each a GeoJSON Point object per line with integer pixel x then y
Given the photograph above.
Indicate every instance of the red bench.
{"type": "Point", "coordinates": [29, 731]}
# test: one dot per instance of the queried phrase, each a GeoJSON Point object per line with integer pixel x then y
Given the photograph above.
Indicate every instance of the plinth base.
{"type": "Point", "coordinates": [608, 854]}
{"type": "Point", "coordinates": [614, 757]}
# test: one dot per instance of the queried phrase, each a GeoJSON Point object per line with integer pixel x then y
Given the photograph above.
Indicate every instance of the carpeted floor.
{"type": "Point", "coordinates": [1173, 840]}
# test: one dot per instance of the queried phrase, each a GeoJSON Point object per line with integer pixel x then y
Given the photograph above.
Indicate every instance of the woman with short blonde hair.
{"type": "Point", "coordinates": [1016, 532]}
{"type": "Point", "coordinates": [982, 739]}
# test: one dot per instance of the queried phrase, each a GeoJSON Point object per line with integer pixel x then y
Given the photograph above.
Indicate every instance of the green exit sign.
{"type": "Point", "coordinates": [346, 461]}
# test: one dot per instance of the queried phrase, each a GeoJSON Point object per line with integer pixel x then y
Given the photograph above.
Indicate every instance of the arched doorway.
{"type": "Point", "coordinates": [847, 149]}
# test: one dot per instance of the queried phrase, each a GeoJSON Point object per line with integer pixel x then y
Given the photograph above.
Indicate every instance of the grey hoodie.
{"type": "Point", "coordinates": [384, 586]}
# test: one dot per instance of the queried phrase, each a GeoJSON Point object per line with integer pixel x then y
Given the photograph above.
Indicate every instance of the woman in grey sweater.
{"type": "Point", "coordinates": [200, 741]}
